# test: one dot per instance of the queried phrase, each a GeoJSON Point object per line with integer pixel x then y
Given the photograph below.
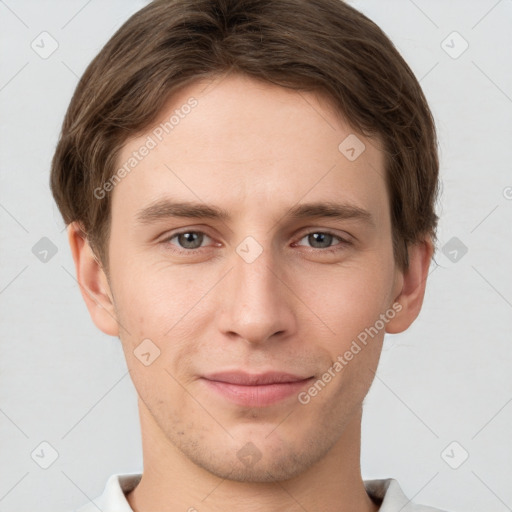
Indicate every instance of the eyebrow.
{"type": "Point", "coordinates": [166, 209]}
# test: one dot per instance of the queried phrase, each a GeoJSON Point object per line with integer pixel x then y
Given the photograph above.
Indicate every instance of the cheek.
{"type": "Point", "coordinates": [168, 305]}
{"type": "Point", "coordinates": [346, 299]}
{"type": "Point", "coordinates": [155, 314]}
{"type": "Point", "coordinates": [154, 297]}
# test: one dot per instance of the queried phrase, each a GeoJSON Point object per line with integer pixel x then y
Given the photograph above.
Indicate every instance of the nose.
{"type": "Point", "coordinates": [256, 303]}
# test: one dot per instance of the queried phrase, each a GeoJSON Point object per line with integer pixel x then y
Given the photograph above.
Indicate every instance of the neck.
{"type": "Point", "coordinates": [171, 481]}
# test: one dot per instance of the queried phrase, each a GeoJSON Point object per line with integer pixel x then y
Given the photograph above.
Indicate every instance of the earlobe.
{"type": "Point", "coordinates": [414, 281]}
{"type": "Point", "coordinates": [92, 281]}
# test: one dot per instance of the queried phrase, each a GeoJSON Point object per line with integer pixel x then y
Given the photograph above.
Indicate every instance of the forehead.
{"type": "Point", "coordinates": [239, 142]}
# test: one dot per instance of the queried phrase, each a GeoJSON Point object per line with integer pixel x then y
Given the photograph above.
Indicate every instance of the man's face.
{"type": "Point", "coordinates": [270, 287]}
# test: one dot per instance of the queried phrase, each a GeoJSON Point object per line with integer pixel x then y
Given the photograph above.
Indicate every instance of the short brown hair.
{"type": "Point", "coordinates": [307, 45]}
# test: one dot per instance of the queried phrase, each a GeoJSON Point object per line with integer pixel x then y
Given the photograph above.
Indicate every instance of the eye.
{"type": "Point", "coordinates": [323, 240]}
{"type": "Point", "coordinates": [188, 240]}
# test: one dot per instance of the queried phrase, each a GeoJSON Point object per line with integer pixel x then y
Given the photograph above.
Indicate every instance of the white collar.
{"type": "Point", "coordinates": [387, 492]}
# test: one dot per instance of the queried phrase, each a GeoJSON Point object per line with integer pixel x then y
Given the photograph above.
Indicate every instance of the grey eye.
{"type": "Point", "coordinates": [320, 240]}
{"type": "Point", "coordinates": [190, 239]}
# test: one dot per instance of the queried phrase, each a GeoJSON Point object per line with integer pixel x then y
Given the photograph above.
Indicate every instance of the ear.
{"type": "Point", "coordinates": [413, 283]}
{"type": "Point", "coordinates": [93, 282]}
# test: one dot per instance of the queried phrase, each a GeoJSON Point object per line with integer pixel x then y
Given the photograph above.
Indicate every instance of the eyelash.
{"type": "Point", "coordinates": [338, 247]}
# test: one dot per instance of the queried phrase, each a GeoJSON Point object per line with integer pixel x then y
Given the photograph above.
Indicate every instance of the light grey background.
{"type": "Point", "coordinates": [446, 379]}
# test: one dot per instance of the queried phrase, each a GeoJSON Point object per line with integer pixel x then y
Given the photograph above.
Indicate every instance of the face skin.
{"type": "Point", "coordinates": [257, 151]}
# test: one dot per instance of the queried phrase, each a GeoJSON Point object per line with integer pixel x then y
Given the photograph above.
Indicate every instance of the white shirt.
{"type": "Point", "coordinates": [386, 492]}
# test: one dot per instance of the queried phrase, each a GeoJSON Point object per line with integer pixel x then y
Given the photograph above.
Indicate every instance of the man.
{"type": "Point", "coordinates": [249, 189]}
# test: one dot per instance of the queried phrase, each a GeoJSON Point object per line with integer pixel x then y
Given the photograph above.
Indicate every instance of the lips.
{"type": "Point", "coordinates": [246, 379]}
{"type": "Point", "coordinates": [251, 390]}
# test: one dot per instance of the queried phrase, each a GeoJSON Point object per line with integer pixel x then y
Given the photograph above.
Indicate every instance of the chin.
{"type": "Point", "coordinates": [260, 459]}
